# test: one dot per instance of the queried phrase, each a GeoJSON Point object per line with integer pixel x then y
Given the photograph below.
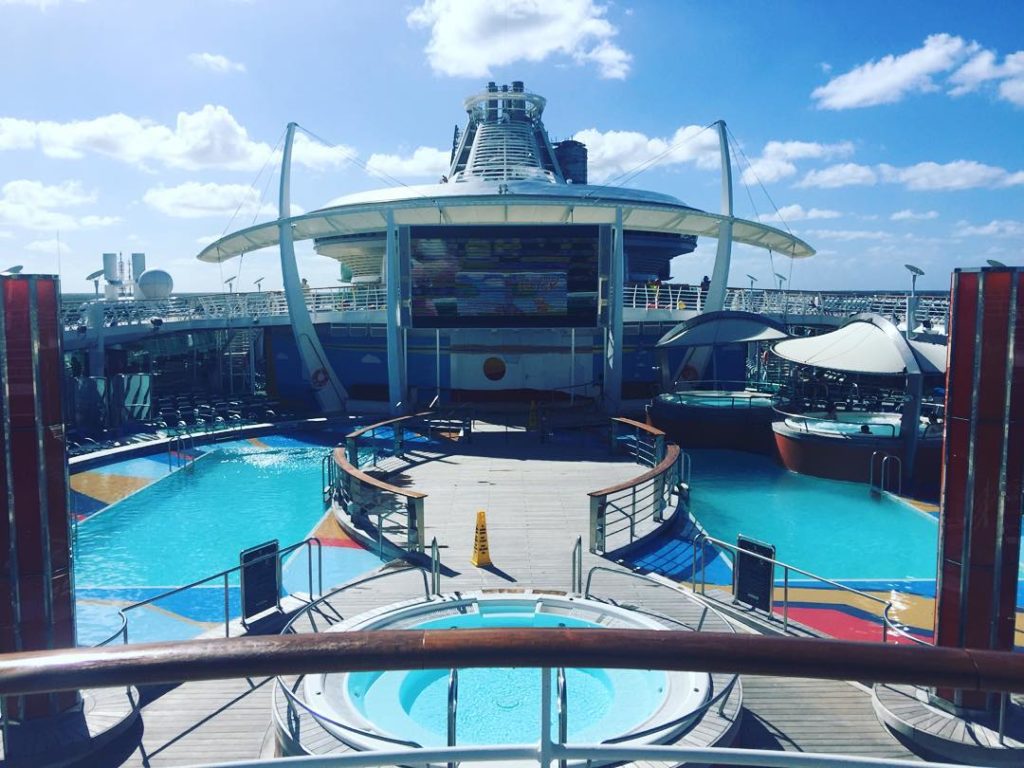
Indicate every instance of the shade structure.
{"type": "Point", "coordinates": [725, 327]}
{"type": "Point", "coordinates": [868, 344]}
{"type": "Point", "coordinates": [517, 202]}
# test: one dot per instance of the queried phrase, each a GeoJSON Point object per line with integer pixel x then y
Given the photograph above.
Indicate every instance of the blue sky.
{"type": "Point", "coordinates": [882, 133]}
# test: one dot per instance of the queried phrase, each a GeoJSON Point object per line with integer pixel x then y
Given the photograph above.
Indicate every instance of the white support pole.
{"type": "Point", "coordinates": [715, 300]}
{"type": "Point", "coordinates": [613, 347]}
{"type": "Point", "coordinates": [316, 368]}
{"type": "Point", "coordinates": [396, 353]}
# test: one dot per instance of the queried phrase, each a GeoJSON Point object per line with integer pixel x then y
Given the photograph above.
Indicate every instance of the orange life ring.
{"type": "Point", "coordinates": [319, 378]}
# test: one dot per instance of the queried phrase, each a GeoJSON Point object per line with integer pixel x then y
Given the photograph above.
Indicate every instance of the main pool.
{"type": "Point", "coordinates": [194, 523]}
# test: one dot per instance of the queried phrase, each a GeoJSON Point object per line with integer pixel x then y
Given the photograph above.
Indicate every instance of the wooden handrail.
{"type": "Point", "coordinates": [258, 656]}
{"type": "Point", "coordinates": [671, 457]}
{"type": "Point", "coordinates": [360, 432]}
{"type": "Point", "coordinates": [654, 431]}
{"type": "Point", "coordinates": [345, 466]}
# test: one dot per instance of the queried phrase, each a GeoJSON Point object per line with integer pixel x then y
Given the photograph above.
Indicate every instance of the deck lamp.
{"type": "Point", "coordinates": [95, 277]}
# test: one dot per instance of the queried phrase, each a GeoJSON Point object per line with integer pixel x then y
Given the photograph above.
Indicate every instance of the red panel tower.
{"type": "Point", "coordinates": [36, 595]}
{"type": "Point", "coordinates": [980, 522]}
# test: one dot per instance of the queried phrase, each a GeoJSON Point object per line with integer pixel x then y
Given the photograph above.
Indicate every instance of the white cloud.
{"type": "Point", "coordinates": [214, 62]}
{"type": "Point", "coordinates": [841, 175]}
{"type": "Point", "coordinates": [891, 78]}
{"type": "Point", "coordinates": [193, 200]}
{"type": "Point", "coordinates": [425, 161]}
{"type": "Point", "coordinates": [4, 235]}
{"type": "Point", "coordinates": [776, 158]}
{"type": "Point", "coordinates": [610, 153]}
{"type": "Point", "coordinates": [959, 174]}
{"type": "Point", "coordinates": [982, 68]}
{"type": "Point", "coordinates": [849, 234]}
{"type": "Point", "coordinates": [908, 215]}
{"type": "Point", "coordinates": [34, 205]}
{"type": "Point", "coordinates": [208, 139]}
{"type": "Point", "coordinates": [796, 212]}
{"type": "Point", "coordinates": [468, 38]}
{"type": "Point", "coordinates": [52, 246]}
{"type": "Point", "coordinates": [927, 176]}
{"type": "Point", "coordinates": [42, 5]}
{"type": "Point", "coordinates": [995, 228]}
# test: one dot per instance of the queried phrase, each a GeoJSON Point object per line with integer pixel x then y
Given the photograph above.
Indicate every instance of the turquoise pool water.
{"type": "Point", "coordinates": [831, 528]}
{"type": "Point", "coordinates": [192, 524]}
{"type": "Point", "coordinates": [502, 705]}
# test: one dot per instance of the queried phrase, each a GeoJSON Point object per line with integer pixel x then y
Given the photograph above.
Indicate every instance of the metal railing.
{"type": "Point", "coordinates": [224, 578]}
{"type": "Point", "coordinates": [546, 649]}
{"type": "Point", "coordinates": [177, 457]}
{"type": "Point", "coordinates": [888, 461]}
{"type": "Point", "coordinates": [392, 510]}
{"type": "Point", "coordinates": [622, 508]}
{"type": "Point", "coordinates": [807, 424]}
{"type": "Point", "coordinates": [885, 606]}
{"type": "Point", "coordinates": [212, 306]}
{"type": "Point", "coordinates": [646, 444]}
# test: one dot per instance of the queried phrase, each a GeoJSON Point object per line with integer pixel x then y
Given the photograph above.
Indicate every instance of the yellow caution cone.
{"type": "Point", "coordinates": [481, 552]}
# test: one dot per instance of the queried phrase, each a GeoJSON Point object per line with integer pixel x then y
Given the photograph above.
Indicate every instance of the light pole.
{"type": "Point", "coordinates": [258, 282]}
{"type": "Point", "coordinates": [230, 283]}
{"type": "Point", "coordinates": [782, 279]}
{"type": "Point", "coordinates": [95, 277]}
{"type": "Point", "coordinates": [750, 295]}
{"type": "Point", "coordinates": [915, 272]}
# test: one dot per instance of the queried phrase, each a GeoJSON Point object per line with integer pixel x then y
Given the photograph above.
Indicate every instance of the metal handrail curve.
{"type": "Point", "coordinates": [122, 630]}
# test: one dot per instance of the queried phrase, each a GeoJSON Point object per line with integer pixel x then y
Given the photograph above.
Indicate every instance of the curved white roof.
{"type": "Point", "coordinates": [866, 344]}
{"type": "Point", "coordinates": [724, 327]}
{"type": "Point", "coordinates": [516, 202]}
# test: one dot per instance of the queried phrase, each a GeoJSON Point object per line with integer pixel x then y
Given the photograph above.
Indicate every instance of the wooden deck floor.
{"type": "Point", "coordinates": [536, 503]}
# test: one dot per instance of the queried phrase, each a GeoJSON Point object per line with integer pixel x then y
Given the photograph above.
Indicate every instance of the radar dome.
{"type": "Point", "coordinates": [155, 284]}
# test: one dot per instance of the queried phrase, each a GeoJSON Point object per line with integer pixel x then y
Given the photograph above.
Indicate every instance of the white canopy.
{"type": "Point", "coordinates": [726, 327]}
{"type": "Point", "coordinates": [520, 202]}
{"type": "Point", "coordinates": [865, 344]}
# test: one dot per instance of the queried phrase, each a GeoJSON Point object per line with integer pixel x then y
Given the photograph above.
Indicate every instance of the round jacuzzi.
{"type": "Point", "coordinates": [500, 705]}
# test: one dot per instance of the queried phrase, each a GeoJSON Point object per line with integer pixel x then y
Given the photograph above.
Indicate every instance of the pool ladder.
{"type": "Point", "coordinates": [177, 458]}
{"type": "Point", "coordinates": [562, 703]}
{"type": "Point", "coordinates": [885, 471]}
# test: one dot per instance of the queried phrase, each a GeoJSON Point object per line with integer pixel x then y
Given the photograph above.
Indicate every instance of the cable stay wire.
{"type": "Point", "coordinates": [623, 178]}
{"type": "Point", "coordinates": [253, 187]}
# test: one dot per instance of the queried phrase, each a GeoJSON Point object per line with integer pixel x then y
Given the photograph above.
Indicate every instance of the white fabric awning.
{"type": "Point", "coordinates": [714, 328]}
{"type": "Point", "coordinates": [866, 344]}
{"type": "Point", "coordinates": [535, 204]}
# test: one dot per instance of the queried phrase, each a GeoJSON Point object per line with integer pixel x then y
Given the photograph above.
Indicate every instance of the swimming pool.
{"type": "Point", "coordinates": [502, 705]}
{"type": "Point", "coordinates": [192, 523]}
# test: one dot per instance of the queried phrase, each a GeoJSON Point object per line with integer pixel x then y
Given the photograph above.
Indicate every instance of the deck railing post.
{"type": "Point", "coordinates": [544, 757]}
{"type": "Point", "coordinates": [453, 708]}
{"type": "Point", "coordinates": [563, 713]}
{"type": "Point", "coordinates": [785, 599]}
{"type": "Point", "coordinates": [227, 609]}
{"type": "Point", "coordinates": [596, 524]}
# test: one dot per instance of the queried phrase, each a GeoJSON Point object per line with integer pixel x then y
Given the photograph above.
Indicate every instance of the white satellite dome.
{"type": "Point", "coordinates": [155, 284]}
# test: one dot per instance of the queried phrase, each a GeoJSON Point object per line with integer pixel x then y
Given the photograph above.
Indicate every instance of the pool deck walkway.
{"type": "Point", "coordinates": [535, 498]}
